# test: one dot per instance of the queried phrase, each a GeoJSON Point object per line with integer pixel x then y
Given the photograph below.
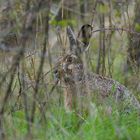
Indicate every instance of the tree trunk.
{"type": "Point", "coordinates": [133, 57]}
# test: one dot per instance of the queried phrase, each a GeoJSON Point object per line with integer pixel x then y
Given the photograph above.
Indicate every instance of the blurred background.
{"type": "Point", "coordinates": [33, 38]}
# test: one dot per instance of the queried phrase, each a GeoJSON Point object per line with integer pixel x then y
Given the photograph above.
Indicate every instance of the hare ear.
{"type": "Point", "coordinates": [72, 40]}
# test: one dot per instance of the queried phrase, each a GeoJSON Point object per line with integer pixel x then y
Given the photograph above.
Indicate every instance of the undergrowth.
{"type": "Point", "coordinates": [62, 125]}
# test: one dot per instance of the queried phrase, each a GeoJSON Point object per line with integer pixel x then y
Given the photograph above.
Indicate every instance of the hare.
{"type": "Point", "coordinates": [80, 85]}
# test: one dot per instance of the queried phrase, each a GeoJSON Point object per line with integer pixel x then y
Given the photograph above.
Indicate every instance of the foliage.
{"type": "Point", "coordinates": [61, 125]}
{"type": "Point", "coordinates": [27, 84]}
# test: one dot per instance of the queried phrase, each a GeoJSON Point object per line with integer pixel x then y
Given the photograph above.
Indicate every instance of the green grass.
{"type": "Point", "coordinates": [69, 126]}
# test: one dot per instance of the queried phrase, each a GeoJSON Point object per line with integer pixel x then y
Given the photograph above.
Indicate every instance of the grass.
{"type": "Point", "coordinates": [68, 126]}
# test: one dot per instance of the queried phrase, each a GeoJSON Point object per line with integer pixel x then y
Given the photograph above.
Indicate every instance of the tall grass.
{"type": "Point", "coordinates": [66, 126]}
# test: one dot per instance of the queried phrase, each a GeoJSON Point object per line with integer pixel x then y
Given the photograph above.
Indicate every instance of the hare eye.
{"type": "Point", "coordinates": [69, 59]}
{"type": "Point", "coordinates": [55, 71]}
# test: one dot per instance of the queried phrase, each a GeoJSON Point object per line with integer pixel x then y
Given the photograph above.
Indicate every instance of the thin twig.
{"type": "Point", "coordinates": [41, 63]}
{"type": "Point", "coordinates": [116, 29]}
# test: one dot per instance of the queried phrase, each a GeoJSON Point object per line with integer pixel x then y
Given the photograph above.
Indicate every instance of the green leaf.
{"type": "Point", "coordinates": [103, 9]}
{"type": "Point", "coordinates": [137, 27]}
{"type": "Point", "coordinates": [63, 23]}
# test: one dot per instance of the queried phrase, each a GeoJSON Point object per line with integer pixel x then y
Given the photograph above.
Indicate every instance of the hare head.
{"type": "Point", "coordinates": [71, 65]}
